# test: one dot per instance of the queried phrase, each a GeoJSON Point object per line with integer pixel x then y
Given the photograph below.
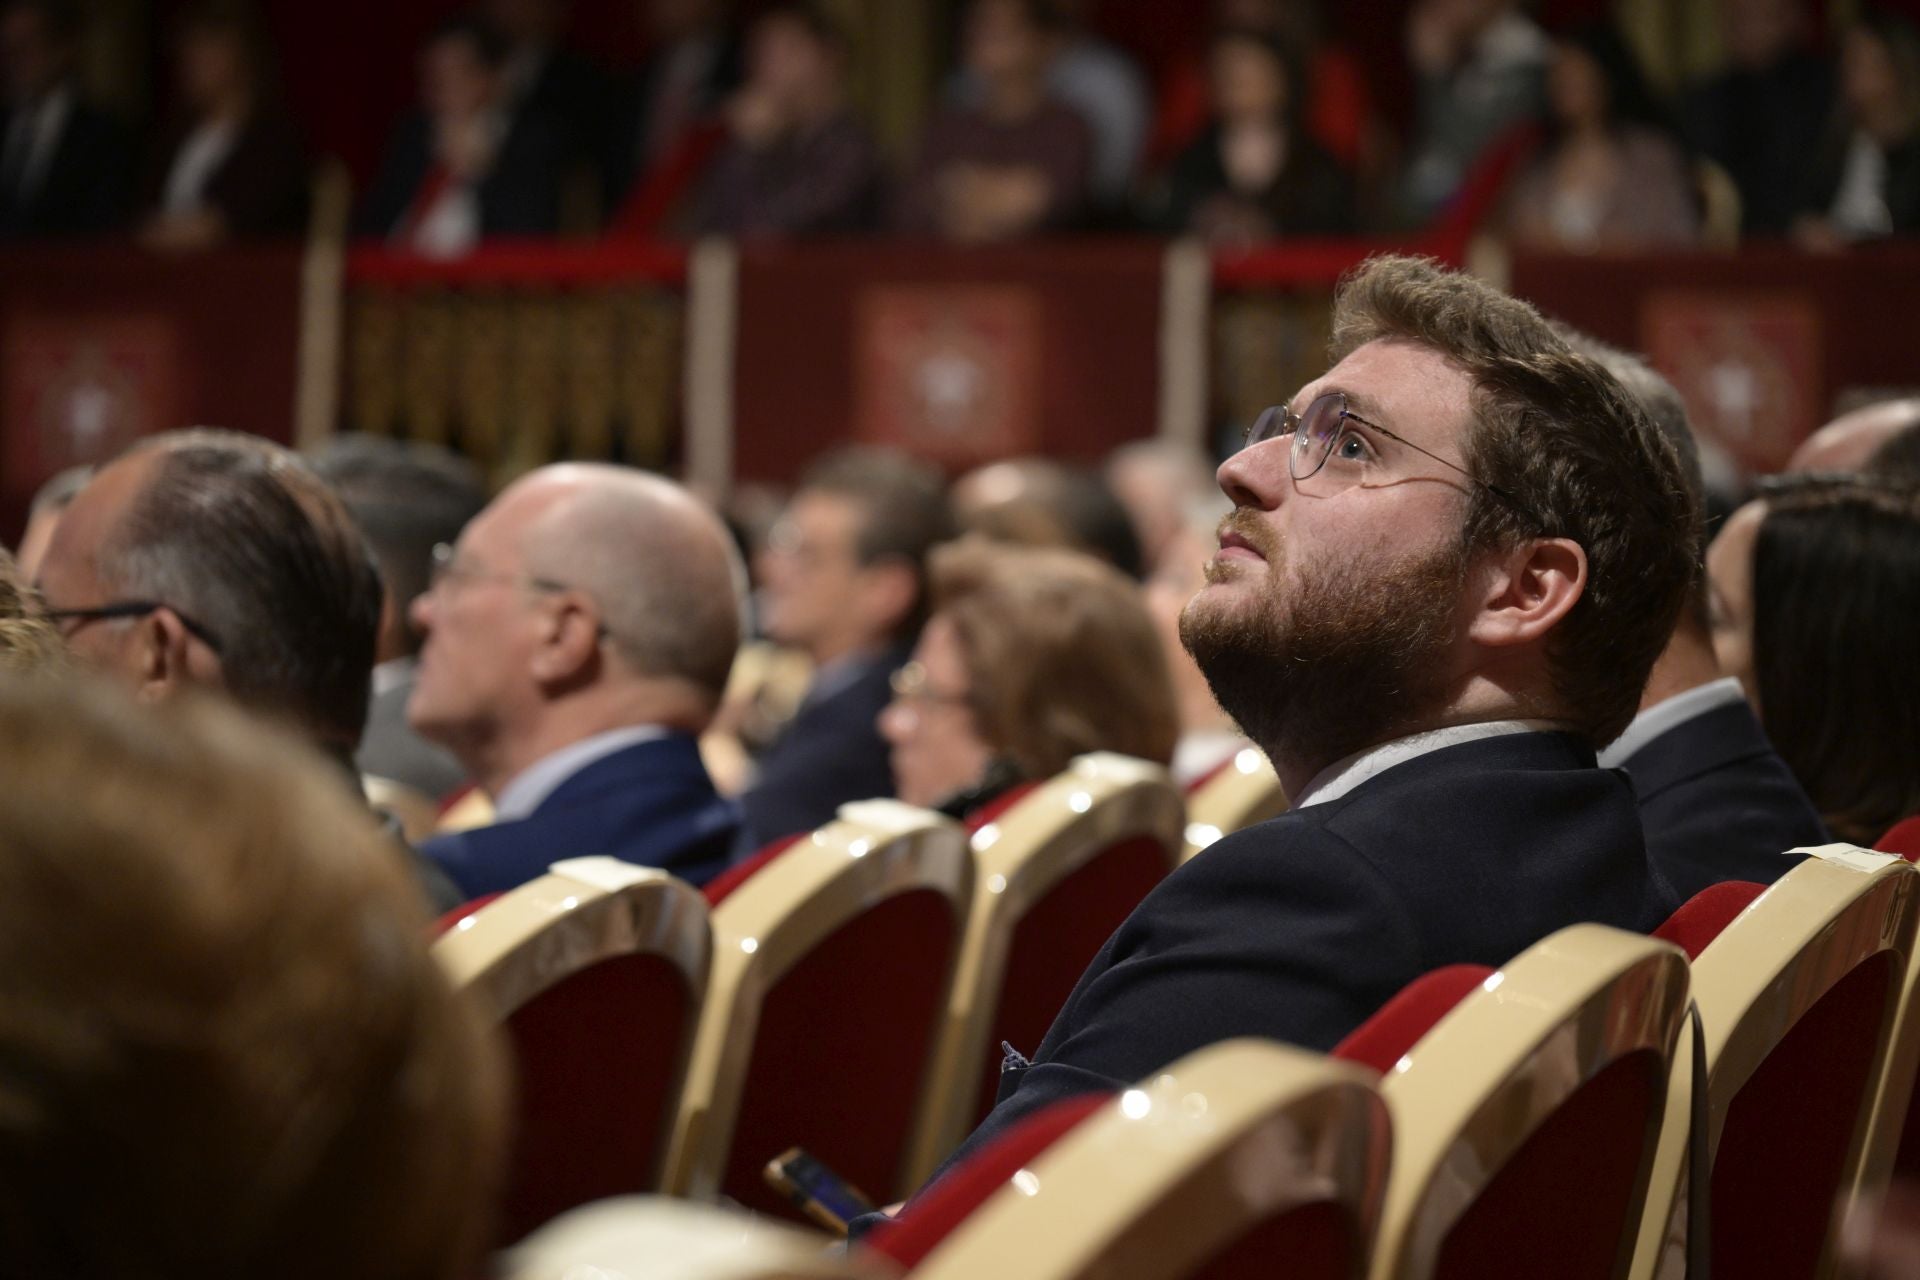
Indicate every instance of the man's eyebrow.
{"type": "Point", "coordinates": [1358, 402]}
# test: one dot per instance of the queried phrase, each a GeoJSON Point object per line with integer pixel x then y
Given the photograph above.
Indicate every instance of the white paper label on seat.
{"type": "Point", "coordinates": [1851, 856]}
{"type": "Point", "coordinates": [609, 874]}
{"type": "Point", "coordinates": [886, 815]}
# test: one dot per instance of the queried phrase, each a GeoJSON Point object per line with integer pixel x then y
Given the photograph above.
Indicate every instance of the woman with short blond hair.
{"type": "Point", "coordinates": [1032, 657]}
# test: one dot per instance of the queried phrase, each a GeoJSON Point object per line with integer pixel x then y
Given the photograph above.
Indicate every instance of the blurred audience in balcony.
{"type": "Point", "coordinates": [1611, 175]}
{"type": "Point", "coordinates": [465, 167]}
{"type": "Point", "coordinates": [844, 580]}
{"type": "Point", "coordinates": [798, 161]}
{"type": "Point", "coordinates": [1851, 441]}
{"type": "Point", "coordinates": [1866, 183]}
{"type": "Point", "coordinates": [229, 164]}
{"type": "Point", "coordinates": [667, 112]}
{"type": "Point", "coordinates": [50, 502]}
{"type": "Point", "coordinates": [65, 165]}
{"type": "Point", "coordinates": [1332, 101]}
{"type": "Point", "coordinates": [541, 75]}
{"type": "Point", "coordinates": [1018, 163]}
{"type": "Point", "coordinates": [578, 638]}
{"type": "Point", "coordinates": [407, 499]}
{"type": "Point", "coordinates": [1033, 655]}
{"type": "Point", "coordinates": [1481, 71]}
{"type": "Point", "coordinates": [1762, 118]}
{"type": "Point", "coordinates": [1103, 85]}
{"type": "Point", "coordinates": [1043, 502]}
{"type": "Point", "coordinates": [1818, 575]}
{"type": "Point", "coordinates": [1253, 174]}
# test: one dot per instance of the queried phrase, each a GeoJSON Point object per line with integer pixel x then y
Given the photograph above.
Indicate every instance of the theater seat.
{"type": "Point", "coordinates": [1245, 1159]}
{"type": "Point", "coordinates": [1238, 793]}
{"type": "Point", "coordinates": [1903, 838]}
{"type": "Point", "coordinates": [1526, 1119]}
{"type": "Point", "coordinates": [1390, 1034]}
{"type": "Point", "coordinates": [832, 965]}
{"type": "Point", "coordinates": [1055, 873]}
{"type": "Point", "coordinates": [597, 971]}
{"type": "Point", "coordinates": [657, 1238]}
{"type": "Point", "coordinates": [1797, 998]}
{"type": "Point", "coordinates": [1701, 918]}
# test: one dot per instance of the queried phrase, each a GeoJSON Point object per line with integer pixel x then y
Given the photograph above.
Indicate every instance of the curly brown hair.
{"type": "Point", "coordinates": [1576, 454]}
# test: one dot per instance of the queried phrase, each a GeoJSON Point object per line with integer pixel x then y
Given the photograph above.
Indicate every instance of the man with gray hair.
{"type": "Point", "coordinates": [578, 639]}
{"type": "Point", "coordinates": [220, 560]}
{"type": "Point", "coordinates": [1716, 800]}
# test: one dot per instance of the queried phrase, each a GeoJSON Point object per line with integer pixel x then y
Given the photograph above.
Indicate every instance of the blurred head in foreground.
{"type": "Point", "coordinates": [219, 560]}
{"type": "Point", "coordinates": [224, 1050]}
{"type": "Point", "coordinates": [28, 643]}
{"type": "Point", "coordinates": [1032, 657]}
{"type": "Point", "coordinates": [1816, 594]}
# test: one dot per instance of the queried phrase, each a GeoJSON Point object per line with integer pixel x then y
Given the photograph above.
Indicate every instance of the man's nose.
{"type": "Point", "coordinates": [1257, 475]}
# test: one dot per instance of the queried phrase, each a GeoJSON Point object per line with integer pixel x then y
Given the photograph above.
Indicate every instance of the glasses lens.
{"type": "Point", "coordinates": [1313, 438]}
{"type": "Point", "coordinates": [1273, 422]}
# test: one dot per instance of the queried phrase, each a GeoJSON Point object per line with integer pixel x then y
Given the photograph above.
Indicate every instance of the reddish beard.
{"type": "Point", "coordinates": [1351, 656]}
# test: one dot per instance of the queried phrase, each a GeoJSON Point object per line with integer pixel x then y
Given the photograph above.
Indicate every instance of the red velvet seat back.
{"type": "Point", "coordinates": [1318, 1240]}
{"type": "Point", "coordinates": [1701, 918]}
{"type": "Point", "coordinates": [1572, 1192]}
{"type": "Point", "coordinates": [841, 1052]}
{"type": "Point", "coordinates": [1783, 1150]}
{"type": "Point", "coordinates": [1056, 940]}
{"type": "Point", "coordinates": [1397, 1026]}
{"type": "Point", "coordinates": [937, 1211]}
{"type": "Point", "coordinates": [1903, 838]}
{"type": "Point", "coordinates": [597, 1060]}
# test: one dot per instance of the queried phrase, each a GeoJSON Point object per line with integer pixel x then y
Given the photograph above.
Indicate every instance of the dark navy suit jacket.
{"type": "Point", "coordinates": [1718, 803]}
{"type": "Point", "coordinates": [1298, 929]}
{"type": "Point", "coordinates": [831, 752]}
{"type": "Point", "coordinates": [651, 804]}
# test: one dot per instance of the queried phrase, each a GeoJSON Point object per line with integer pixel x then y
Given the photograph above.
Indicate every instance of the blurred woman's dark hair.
{"type": "Point", "coordinates": [1630, 99]}
{"type": "Point", "coordinates": [1836, 645]}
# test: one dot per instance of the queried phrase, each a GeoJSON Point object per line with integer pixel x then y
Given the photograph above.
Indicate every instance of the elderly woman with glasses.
{"type": "Point", "coordinates": [1031, 657]}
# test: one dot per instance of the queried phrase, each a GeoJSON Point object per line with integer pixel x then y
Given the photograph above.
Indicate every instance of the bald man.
{"type": "Point", "coordinates": [578, 638]}
{"type": "Point", "coordinates": [1850, 441]}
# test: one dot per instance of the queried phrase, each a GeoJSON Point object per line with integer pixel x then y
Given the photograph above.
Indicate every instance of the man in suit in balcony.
{"type": "Point", "coordinates": [845, 581]}
{"type": "Point", "coordinates": [1450, 565]}
{"type": "Point", "coordinates": [66, 167]}
{"type": "Point", "coordinates": [1717, 801]}
{"type": "Point", "coordinates": [578, 638]}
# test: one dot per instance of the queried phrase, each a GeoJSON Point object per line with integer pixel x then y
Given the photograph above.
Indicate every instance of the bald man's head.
{"type": "Point", "coordinates": [1846, 443]}
{"type": "Point", "coordinates": [584, 598]}
{"type": "Point", "coordinates": [660, 564]}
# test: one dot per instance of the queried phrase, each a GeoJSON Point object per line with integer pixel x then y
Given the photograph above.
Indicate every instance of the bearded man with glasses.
{"type": "Point", "coordinates": [1451, 563]}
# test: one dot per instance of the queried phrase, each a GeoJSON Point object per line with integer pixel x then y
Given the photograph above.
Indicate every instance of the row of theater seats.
{"type": "Point", "coordinates": [1538, 1120]}
{"type": "Point", "coordinates": [846, 991]}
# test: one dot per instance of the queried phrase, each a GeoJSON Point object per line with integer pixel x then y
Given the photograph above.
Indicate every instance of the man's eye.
{"type": "Point", "coordinates": [1351, 448]}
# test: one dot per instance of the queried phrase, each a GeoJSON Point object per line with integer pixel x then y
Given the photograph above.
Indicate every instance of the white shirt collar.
{"type": "Point", "coordinates": [530, 787]}
{"type": "Point", "coordinates": [1670, 713]}
{"type": "Point", "coordinates": [1343, 776]}
{"type": "Point", "coordinates": [391, 674]}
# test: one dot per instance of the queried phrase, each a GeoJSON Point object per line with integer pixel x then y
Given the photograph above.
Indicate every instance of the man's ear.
{"type": "Point", "coordinates": [1527, 591]}
{"type": "Point", "coordinates": [569, 639]}
{"type": "Point", "coordinates": [164, 656]}
{"type": "Point", "coordinates": [888, 589]}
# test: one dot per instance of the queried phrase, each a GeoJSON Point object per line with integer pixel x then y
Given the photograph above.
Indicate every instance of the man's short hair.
{"type": "Point", "coordinates": [1661, 399]}
{"type": "Point", "coordinates": [903, 509]}
{"type": "Point", "coordinates": [407, 498]}
{"type": "Point", "coordinates": [225, 1050]}
{"type": "Point", "coordinates": [1560, 436]}
{"type": "Point", "coordinates": [240, 535]}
